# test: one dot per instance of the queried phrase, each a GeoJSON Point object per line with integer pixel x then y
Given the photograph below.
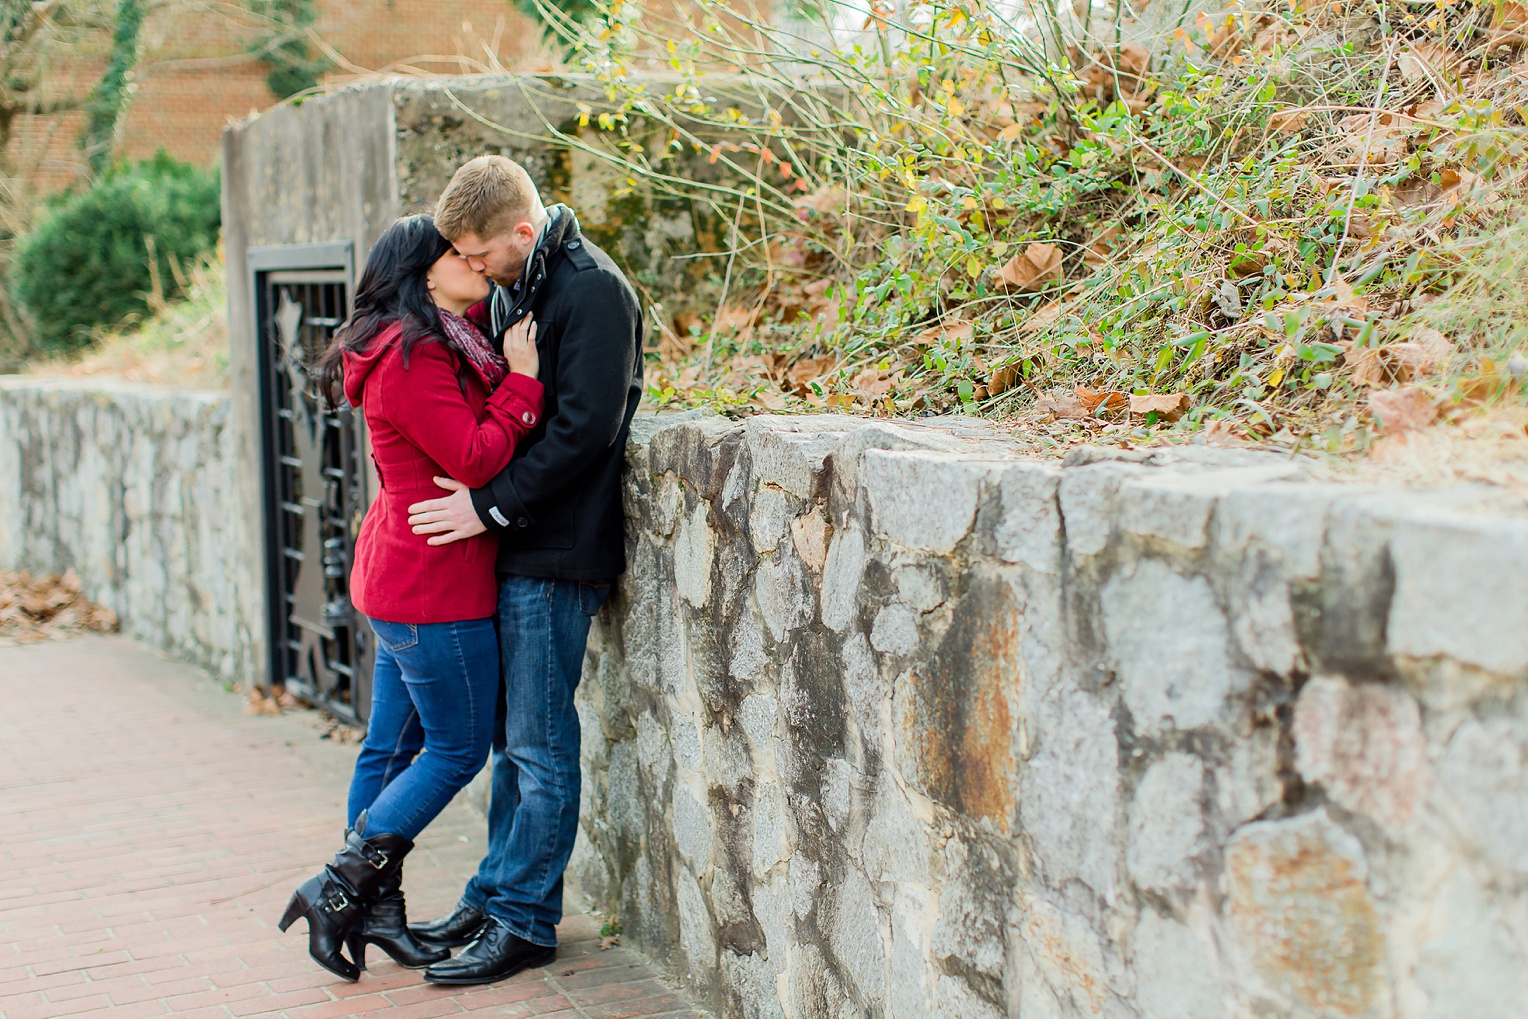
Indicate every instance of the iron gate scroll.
{"type": "Point", "coordinates": [315, 481]}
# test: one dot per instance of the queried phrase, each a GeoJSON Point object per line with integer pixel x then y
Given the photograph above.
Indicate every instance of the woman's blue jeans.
{"type": "Point", "coordinates": [434, 688]}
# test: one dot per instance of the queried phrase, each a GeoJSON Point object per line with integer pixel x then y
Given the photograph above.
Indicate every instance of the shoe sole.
{"type": "Point", "coordinates": [520, 967]}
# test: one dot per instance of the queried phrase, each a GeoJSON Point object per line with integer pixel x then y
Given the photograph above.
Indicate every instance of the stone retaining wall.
{"type": "Point", "coordinates": [887, 721]}
{"type": "Point", "coordinates": [132, 487]}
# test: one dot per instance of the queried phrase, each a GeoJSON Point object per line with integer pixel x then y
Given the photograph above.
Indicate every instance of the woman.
{"type": "Point", "coordinates": [439, 401]}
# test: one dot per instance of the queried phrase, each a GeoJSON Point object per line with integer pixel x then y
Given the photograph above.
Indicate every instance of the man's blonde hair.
{"type": "Point", "coordinates": [487, 196]}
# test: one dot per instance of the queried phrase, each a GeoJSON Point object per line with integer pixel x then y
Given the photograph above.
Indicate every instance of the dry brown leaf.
{"type": "Point", "coordinates": [1003, 378]}
{"type": "Point", "coordinates": [1427, 351]}
{"type": "Point", "coordinates": [1402, 409]}
{"type": "Point", "coordinates": [1288, 121]}
{"type": "Point", "coordinates": [956, 333]}
{"type": "Point", "coordinates": [1167, 406]}
{"type": "Point", "coordinates": [1509, 25]}
{"type": "Point", "coordinates": [807, 370]}
{"type": "Point", "coordinates": [1034, 268]}
{"type": "Point", "coordinates": [1042, 318]}
{"type": "Point", "coordinates": [873, 382]}
{"type": "Point", "coordinates": [1367, 365]}
{"type": "Point", "coordinates": [1060, 404]}
{"type": "Point", "coordinates": [1108, 401]}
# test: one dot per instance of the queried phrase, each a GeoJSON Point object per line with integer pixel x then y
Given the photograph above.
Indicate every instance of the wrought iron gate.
{"type": "Point", "coordinates": [314, 480]}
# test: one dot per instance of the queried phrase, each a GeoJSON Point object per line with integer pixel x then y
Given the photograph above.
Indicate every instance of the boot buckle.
{"type": "Point", "coordinates": [335, 900]}
{"type": "Point", "coordinates": [378, 858]}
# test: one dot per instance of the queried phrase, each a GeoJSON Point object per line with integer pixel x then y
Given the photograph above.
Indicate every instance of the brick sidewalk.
{"type": "Point", "coordinates": [150, 834]}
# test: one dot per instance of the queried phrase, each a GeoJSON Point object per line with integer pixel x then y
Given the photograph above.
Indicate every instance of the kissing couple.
{"type": "Point", "coordinates": [497, 354]}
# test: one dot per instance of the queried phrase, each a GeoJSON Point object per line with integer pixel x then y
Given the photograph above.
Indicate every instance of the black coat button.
{"type": "Point", "coordinates": [523, 522]}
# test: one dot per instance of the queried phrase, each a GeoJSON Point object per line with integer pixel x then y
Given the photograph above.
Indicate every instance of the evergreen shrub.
{"type": "Point", "coordinates": [102, 254]}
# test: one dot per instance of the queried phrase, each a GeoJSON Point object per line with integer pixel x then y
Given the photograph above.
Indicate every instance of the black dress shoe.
{"type": "Point", "coordinates": [462, 926]}
{"type": "Point", "coordinates": [496, 955]}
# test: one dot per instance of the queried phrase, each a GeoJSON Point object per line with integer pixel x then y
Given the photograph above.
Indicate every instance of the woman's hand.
{"type": "Point", "coordinates": [520, 348]}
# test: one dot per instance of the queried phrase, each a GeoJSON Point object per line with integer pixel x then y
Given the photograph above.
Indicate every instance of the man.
{"type": "Point", "coordinates": [557, 510]}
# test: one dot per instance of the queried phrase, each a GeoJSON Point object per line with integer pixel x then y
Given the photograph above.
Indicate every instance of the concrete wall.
{"type": "Point", "coordinates": [133, 488]}
{"type": "Point", "coordinates": [887, 721]}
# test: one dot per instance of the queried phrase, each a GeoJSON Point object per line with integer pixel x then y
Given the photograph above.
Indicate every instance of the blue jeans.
{"type": "Point", "coordinates": [433, 688]}
{"type": "Point", "coordinates": [533, 810]}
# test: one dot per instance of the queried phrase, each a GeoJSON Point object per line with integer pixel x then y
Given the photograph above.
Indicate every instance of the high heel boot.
{"type": "Point", "coordinates": [334, 900]}
{"type": "Point", "coordinates": [385, 924]}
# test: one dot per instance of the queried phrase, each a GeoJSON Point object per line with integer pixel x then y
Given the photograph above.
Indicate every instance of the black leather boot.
{"type": "Point", "coordinates": [462, 926]}
{"type": "Point", "coordinates": [385, 924]}
{"type": "Point", "coordinates": [496, 955]}
{"type": "Point", "coordinates": [334, 900]}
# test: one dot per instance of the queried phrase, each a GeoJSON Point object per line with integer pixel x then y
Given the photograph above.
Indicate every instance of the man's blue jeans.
{"type": "Point", "coordinates": [434, 688]}
{"type": "Point", "coordinates": [533, 809]}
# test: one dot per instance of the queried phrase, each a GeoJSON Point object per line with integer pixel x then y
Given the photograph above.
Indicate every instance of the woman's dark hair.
{"type": "Point", "coordinates": [391, 289]}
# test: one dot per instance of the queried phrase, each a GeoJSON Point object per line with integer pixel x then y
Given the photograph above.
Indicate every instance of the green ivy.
{"type": "Point", "coordinates": [107, 102]}
{"type": "Point", "coordinates": [284, 48]}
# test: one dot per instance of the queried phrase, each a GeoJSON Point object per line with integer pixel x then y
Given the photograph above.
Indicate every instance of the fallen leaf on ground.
{"type": "Point", "coordinates": [1402, 409]}
{"type": "Point", "coordinates": [1167, 406]}
{"type": "Point", "coordinates": [1003, 378]}
{"type": "Point", "coordinates": [1108, 400]}
{"type": "Point", "coordinates": [1427, 351]}
{"type": "Point", "coordinates": [1034, 268]}
{"type": "Point", "coordinates": [47, 606]}
{"type": "Point", "coordinates": [1060, 404]}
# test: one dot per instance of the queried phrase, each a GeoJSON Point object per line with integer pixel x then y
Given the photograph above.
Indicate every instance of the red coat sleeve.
{"type": "Point", "coordinates": [424, 402]}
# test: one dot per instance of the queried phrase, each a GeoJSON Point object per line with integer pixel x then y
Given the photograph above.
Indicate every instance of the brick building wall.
{"type": "Point", "coordinates": [195, 73]}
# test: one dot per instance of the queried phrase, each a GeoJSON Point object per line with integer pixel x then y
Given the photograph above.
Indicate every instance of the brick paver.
{"type": "Point", "coordinates": [150, 834]}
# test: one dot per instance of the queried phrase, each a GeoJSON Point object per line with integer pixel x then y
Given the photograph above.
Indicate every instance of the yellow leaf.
{"type": "Point", "coordinates": [918, 204]}
{"type": "Point", "coordinates": [1276, 377]}
{"type": "Point", "coordinates": [956, 107]}
{"type": "Point", "coordinates": [1010, 133]}
{"type": "Point", "coordinates": [970, 202]}
{"type": "Point", "coordinates": [974, 267]}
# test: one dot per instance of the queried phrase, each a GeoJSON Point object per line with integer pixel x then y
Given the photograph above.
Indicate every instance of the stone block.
{"type": "Point", "coordinates": [1170, 646]}
{"type": "Point", "coordinates": [856, 934]}
{"type": "Point", "coordinates": [1175, 509]}
{"type": "Point", "coordinates": [810, 534]}
{"type": "Point", "coordinates": [1304, 919]}
{"type": "Point", "coordinates": [1461, 587]}
{"type": "Point", "coordinates": [973, 910]}
{"type": "Point", "coordinates": [1028, 529]}
{"type": "Point", "coordinates": [1470, 965]}
{"type": "Point", "coordinates": [769, 518]}
{"type": "Point", "coordinates": [1167, 825]}
{"type": "Point", "coordinates": [920, 586]}
{"type": "Point", "coordinates": [895, 631]}
{"type": "Point", "coordinates": [924, 499]}
{"type": "Point", "coordinates": [1089, 506]}
{"type": "Point", "coordinates": [789, 452]}
{"type": "Point", "coordinates": [697, 931]}
{"type": "Point", "coordinates": [1485, 772]}
{"type": "Point", "coordinates": [784, 594]}
{"type": "Point", "coordinates": [841, 574]}
{"type": "Point", "coordinates": [1365, 746]}
{"type": "Point", "coordinates": [958, 719]}
{"type": "Point", "coordinates": [694, 547]}
{"type": "Point", "coordinates": [692, 829]}
{"type": "Point", "coordinates": [1069, 794]}
{"type": "Point", "coordinates": [1177, 972]}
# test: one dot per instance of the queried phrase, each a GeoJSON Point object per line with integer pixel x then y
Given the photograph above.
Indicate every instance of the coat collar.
{"type": "Point", "coordinates": [510, 304]}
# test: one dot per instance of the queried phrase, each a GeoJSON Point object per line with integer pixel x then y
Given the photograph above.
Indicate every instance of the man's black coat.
{"type": "Point", "coordinates": [557, 507]}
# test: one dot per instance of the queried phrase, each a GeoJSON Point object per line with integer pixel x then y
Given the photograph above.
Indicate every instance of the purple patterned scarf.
{"type": "Point", "coordinates": [466, 338]}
